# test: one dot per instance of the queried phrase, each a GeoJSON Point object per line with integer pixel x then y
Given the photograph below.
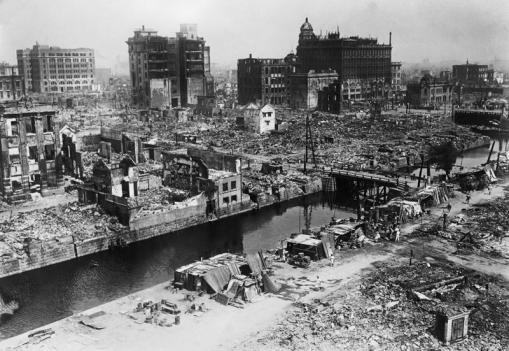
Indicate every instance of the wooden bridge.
{"type": "Point", "coordinates": [365, 176]}
{"type": "Point", "coordinates": [366, 188]}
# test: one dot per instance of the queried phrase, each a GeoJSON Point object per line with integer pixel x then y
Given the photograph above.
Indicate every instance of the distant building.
{"type": "Point", "coordinates": [263, 80]}
{"type": "Point", "coordinates": [30, 153]}
{"type": "Point", "coordinates": [259, 120]}
{"type": "Point", "coordinates": [446, 76]}
{"type": "Point", "coordinates": [11, 83]}
{"type": "Point", "coordinates": [180, 66]}
{"type": "Point", "coordinates": [351, 57]}
{"type": "Point", "coordinates": [429, 92]}
{"type": "Point", "coordinates": [102, 77]}
{"type": "Point", "coordinates": [470, 74]}
{"type": "Point", "coordinates": [396, 76]}
{"type": "Point", "coordinates": [50, 69]}
{"type": "Point", "coordinates": [303, 88]}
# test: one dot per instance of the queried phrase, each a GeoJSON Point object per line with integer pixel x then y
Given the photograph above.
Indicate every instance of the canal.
{"type": "Point", "coordinates": [55, 292]}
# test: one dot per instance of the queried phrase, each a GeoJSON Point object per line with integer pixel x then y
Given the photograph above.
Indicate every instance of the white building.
{"type": "Point", "coordinates": [260, 120]}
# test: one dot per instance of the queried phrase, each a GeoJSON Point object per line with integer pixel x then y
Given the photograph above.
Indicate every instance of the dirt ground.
{"type": "Point", "coordinates": [286, 320]}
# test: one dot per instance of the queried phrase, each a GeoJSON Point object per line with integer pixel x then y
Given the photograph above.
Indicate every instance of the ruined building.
{"type": "Point", "coordinates": [169, 72]}
{"type": "Point", "coordinates": [50, 69]}
{"type": "Point", "coordinates": [470, 74]}
{"type": "Point", "coordinates": [429, 92]}
{"type": "Point", "coordinates": [263, 80]}
{"type": "Point", "coordinates": [30, 154]}
{"type": "Point", "coordinates": [116, 178]}
{"type": "Point", "coordinates": [11, 83]}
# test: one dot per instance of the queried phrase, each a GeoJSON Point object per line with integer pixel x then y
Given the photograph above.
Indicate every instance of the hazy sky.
{"type": "Point", "coordinates": [433, 29]}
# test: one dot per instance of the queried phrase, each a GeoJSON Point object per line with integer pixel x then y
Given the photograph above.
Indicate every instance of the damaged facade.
{"type": "Point", "coordinates": [116, 178]}
{"type": "Point", "coordinates": [263, 80]}
{"type": "Point", "coordinates": [429, 92]}
{"type": "Point", "coordinates": [170, 71]}
{"type": "Point", "coordinates": [31, 158]}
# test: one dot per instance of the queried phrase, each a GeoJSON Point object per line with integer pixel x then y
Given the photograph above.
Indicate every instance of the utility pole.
{"type": "Point", "coordinates": [306, 154]}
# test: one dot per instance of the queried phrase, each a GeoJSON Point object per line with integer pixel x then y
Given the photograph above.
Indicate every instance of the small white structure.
{"type": "Point", "coordinates": [260, 120]}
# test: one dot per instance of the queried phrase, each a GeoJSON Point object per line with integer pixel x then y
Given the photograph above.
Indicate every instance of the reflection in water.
{"type": "Point", "coordinates": [57, 291]}
{"type": "Point", "coordinates": [473, 158]}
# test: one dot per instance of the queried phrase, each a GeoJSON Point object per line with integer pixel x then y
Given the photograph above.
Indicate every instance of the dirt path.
{"type": "Point", "coordinates": [219, 328]}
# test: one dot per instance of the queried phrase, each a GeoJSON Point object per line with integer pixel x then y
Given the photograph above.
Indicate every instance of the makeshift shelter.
{"type": "Point", "coordinates": [432, 195]}
{"type": "Point", "coordinates": [242, 287]}
{"type": "Point", "coordinates": [211, 275]}
{"type": "Point", "coordinates": [306, 244]}
{"type": "Point", "coordinates": [404, 210]}
{"type": "Point", "coordinates": [343, 231]}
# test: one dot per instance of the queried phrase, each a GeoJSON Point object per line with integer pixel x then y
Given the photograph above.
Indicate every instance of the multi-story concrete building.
{"type": "Point", "coordinates": [396, 76]}
{"type": "Point", "coordinates": [50, 69]}
{"type": "Point", "coordinates": [180, 66]}
{"type": "Point", "coordinates": [29, 153]}
{"type": "Point", "coordinates": [470, 74]}
{"type": "Point", "coordinates": [11, 83]}
{"type": "Point", "coordinates": [263, 80]}
{"type": "Point", "coordinates": [429, 92]}
{"type": "Point", "coordinates": [351, 57]}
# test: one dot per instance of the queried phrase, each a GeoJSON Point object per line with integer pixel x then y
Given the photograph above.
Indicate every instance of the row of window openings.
{"type": "Point", "coordinates": [233, 185]}
{"type": "Point", "coordinates": [7, 86]}
{"type": "Point", "coordinates": [69, 75]}
{"type": "Point", "coordinates": [67, 54]}
{"type": "Point", "coordinates": [85, 87]}
{"type": "Point", "coordinates": [232, 199]}
{"type": "Point", "coordinates": [275, 90]}
{"type": "Point", "coordinates": [49, 154]}
{"type": "Point", "coordinates": [69, 82]}
{"type": "Point", "coordinates": [30, 126]}
{"type": "Point", "coordinates": [8, 94]}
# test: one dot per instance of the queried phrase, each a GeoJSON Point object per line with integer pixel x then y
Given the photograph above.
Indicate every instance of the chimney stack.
{"type": "Point", "coordinates": [390, 38]}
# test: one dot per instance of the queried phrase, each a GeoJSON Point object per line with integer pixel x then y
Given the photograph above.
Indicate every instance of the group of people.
{"type": "Point", "coordinates": [388, 232]}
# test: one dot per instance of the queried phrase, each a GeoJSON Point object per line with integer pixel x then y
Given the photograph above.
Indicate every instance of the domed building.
{"type": "Point", "coordinates": [306, 31]}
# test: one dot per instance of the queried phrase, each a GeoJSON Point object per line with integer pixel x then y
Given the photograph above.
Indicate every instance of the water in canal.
{"type": "Point", "coordinates": [55, 292]}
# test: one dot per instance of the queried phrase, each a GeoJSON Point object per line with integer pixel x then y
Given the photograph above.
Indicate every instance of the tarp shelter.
{"type": "Point", "coordinates": [399, 208]}
{"type": "Point", "coordinates": [306, 244]}
{"type": "Point", "coordinates": [343, 231]}
{"type": "Point", "coordinates": [242, 287]}
{"type": "Point", "coordinates": [432, 195]}
{"type": "Point", "coordinates": [211, 275]}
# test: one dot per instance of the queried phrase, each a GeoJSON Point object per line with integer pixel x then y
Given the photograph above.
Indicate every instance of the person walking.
{"type": "Point", "coordinates": [397, 233]}
{"type": "Point", "coordinates": [468, 198]}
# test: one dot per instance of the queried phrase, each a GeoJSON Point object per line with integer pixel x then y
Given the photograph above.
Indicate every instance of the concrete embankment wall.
{"type": "Point", "coordinates": [46, 253]}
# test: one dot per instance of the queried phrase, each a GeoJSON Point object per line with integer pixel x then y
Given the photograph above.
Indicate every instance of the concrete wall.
{"type": "Point", "coordinates": [215, 160]}
{"type": "Point", "coordinates": [166, 217]}
{"type": "Point", "coordinates": [64, 249]}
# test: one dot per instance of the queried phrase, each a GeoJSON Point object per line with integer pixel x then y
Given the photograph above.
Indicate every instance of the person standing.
{"type": "Point", "coordinates": [397, 233]}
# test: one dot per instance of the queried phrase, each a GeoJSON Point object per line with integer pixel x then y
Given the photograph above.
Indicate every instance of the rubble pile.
{"type": "Point", "coordinates": [290, 181]}
{"type": "Point", "coordinates": [383, 313]}
{"type": "Point", "coordinates": [346, 140]}
{"type": "Point", "coordinates": [72, 220]}
{"type": "Point", "coordinates": [481, 228]}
